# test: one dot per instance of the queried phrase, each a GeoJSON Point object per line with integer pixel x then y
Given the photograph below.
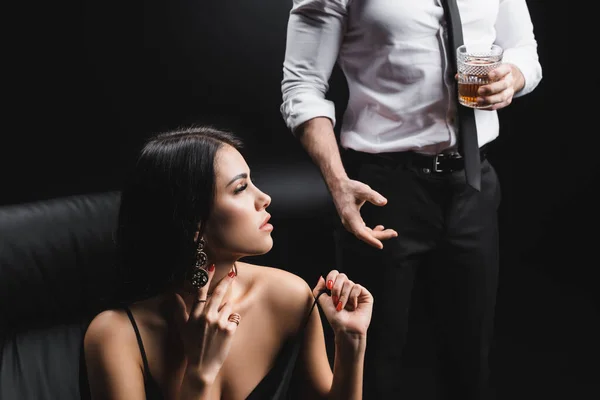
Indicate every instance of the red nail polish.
{"type": "Point", "coordinates": [329, 284]}
{"type": "Point", "coordinates": [231, 274]}
{"type": "Point", "coordinates": [339, 306]}
{"type": "Point", "coordinates": [211, 267]}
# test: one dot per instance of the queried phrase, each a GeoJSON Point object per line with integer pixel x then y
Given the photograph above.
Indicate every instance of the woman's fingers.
{"type": "Point", "coordinates": [214, 303]}
{"type": "Point", "coordinates": [365, 296]}
{"type": "Point", "coordinates": [228, 320]}
{"type": "Point", "coordinates": [320, 286]}
{"type": "Point", "coordinates": [331, 278]}
{"type": "Point", "coordinates": [223, 322]}
{"type": "Point", "coordinates": [234, 319]}
{"type": "Point", "coordinates": [353, 297]}
{"type": "Point", "coordinates": [344, 294]}
{"type": "Point", "coordinates": [338, 284]}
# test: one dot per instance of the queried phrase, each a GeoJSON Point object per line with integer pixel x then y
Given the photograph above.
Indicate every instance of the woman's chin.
{"type": "Point", "coordinates": [268, 245]}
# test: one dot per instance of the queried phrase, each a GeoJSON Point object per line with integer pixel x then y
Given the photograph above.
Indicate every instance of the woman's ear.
{"type": "Point", "coordinates": [197, 233]}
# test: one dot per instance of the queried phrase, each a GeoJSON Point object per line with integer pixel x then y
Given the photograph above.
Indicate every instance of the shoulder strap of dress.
{"type": "Point", "coordinates": [139, 340]}
{"type": "Point", "coordinates": [315, 303]}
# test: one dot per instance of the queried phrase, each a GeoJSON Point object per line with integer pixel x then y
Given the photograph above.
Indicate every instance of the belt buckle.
{"type": "Point", "coordinates": [436, 162]}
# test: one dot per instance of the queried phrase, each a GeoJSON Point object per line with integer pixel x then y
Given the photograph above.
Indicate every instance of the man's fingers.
{"type": "Point", "coordinates": [374, 237]}
{"type": "Point", "coordinates": [363, 192]}
{"type": "Point", "coordinates": [384, 234]}
{"type": "Point", "coordinates": [356, 226]}
{"type": "Point", "coordinates": [375, 198]}
{"type": "Point", "coordinates": [366, 235]}
{"type": "Point", "coordinates": [354, 223]}
{"type": "Point", "coordinates": [500, 72]}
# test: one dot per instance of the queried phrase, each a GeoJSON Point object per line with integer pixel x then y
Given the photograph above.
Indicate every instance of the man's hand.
{"type": "Point", "coordinates": [508, 80]}
{"type": "Point", "coordinates": [349, 196]}
{"type": "Point", "coordinates": [318, 138]}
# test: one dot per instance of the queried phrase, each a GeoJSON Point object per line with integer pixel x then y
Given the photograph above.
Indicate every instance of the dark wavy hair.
{"type": "Point", "coordinates": [169, 193]}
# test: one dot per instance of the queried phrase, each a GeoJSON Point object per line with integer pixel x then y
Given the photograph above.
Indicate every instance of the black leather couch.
{"type": "Point", "coordinates": [56, 273]}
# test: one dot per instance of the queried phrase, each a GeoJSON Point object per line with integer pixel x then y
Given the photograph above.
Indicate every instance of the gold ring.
{"type": "Point", "coordinates": [235, 317]}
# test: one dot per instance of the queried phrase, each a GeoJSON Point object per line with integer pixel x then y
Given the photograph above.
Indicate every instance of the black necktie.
{"type": "Point", "coordinates": [467, 130]}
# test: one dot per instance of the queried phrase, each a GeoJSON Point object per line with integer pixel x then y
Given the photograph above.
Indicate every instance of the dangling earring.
{"type": "Point", "coordinates": [199, 276]}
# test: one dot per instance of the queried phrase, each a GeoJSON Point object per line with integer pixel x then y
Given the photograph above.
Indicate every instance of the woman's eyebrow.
{"type": "Point", "coordinates": [238, 176]}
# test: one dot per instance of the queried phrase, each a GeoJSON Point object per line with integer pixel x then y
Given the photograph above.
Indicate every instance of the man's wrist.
{"type": "Point", "coordinates": [518, 78]}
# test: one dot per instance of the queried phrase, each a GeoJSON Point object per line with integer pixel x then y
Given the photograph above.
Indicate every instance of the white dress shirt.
{"type": "Point", "coordinates": [394, 56]}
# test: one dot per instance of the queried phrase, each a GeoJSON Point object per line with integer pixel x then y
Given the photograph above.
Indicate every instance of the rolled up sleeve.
{"type": "Point", "coordinates": [314, 35]}
{"type": "Point", "coordinates": [514, 32]}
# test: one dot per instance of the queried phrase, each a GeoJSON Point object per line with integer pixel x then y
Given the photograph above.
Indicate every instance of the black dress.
{"type": "Point", "coordinates": [274, 386]}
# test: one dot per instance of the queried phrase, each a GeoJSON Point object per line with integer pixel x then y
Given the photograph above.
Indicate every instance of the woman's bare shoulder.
{"type": "Point", "coordinates": [278, 279]}
{"type": "Point", "coordinates": [289, 294]}
{"type": "Point", "coordinates": [112, 358]}
{"type": "Point", "coordinates": [108, 331]}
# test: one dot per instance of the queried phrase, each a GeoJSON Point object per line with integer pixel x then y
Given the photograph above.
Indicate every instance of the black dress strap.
{"type": "Point", "coordinates": [153, 390]}
{"type": "Point", "coordinates": [140, 343]}
{"type": "Point", "coordinates": [314, 304]}
{"type": "Point", "coordinates": [276, 384]}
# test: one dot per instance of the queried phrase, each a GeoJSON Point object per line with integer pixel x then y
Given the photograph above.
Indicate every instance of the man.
{"type": "Point", "coordinates": [400, 176]}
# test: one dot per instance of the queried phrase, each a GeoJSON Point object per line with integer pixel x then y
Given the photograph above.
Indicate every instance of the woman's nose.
{"type": "Point", "coordinates": [264, 200]}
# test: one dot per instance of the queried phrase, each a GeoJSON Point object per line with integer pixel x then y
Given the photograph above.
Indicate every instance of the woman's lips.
{"type": "Point", "coordinates": [266, 226]}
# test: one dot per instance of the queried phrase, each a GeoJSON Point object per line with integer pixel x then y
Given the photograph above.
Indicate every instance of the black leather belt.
{"type": "Point", "coordinates": [445, 162]}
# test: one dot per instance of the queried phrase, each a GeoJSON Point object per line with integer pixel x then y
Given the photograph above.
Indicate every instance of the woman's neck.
{"type": "Point", "coordinates": [189, 294]}
{"type": "Point", "coordinates": [221, 271]}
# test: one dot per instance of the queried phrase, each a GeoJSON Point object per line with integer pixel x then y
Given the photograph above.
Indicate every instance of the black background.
{"type": "Point", "coordinates": [85, 82]}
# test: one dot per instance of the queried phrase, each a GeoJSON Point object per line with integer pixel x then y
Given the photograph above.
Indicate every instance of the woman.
{"type": "Point", "coordinates": [198, 323]}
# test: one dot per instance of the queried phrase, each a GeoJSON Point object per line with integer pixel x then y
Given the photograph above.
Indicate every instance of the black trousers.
{"type": "Point", "coordinates": [448, 239]}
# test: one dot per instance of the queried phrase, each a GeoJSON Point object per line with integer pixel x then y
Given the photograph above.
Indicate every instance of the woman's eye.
{"type": "Point", "coordinates": [241, 188]}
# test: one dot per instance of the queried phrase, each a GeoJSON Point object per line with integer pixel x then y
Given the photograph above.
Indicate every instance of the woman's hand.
{"type": "Point", "coordinates": [349, 307]}
{"type": "Point", "coordinates": [207, 330]}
